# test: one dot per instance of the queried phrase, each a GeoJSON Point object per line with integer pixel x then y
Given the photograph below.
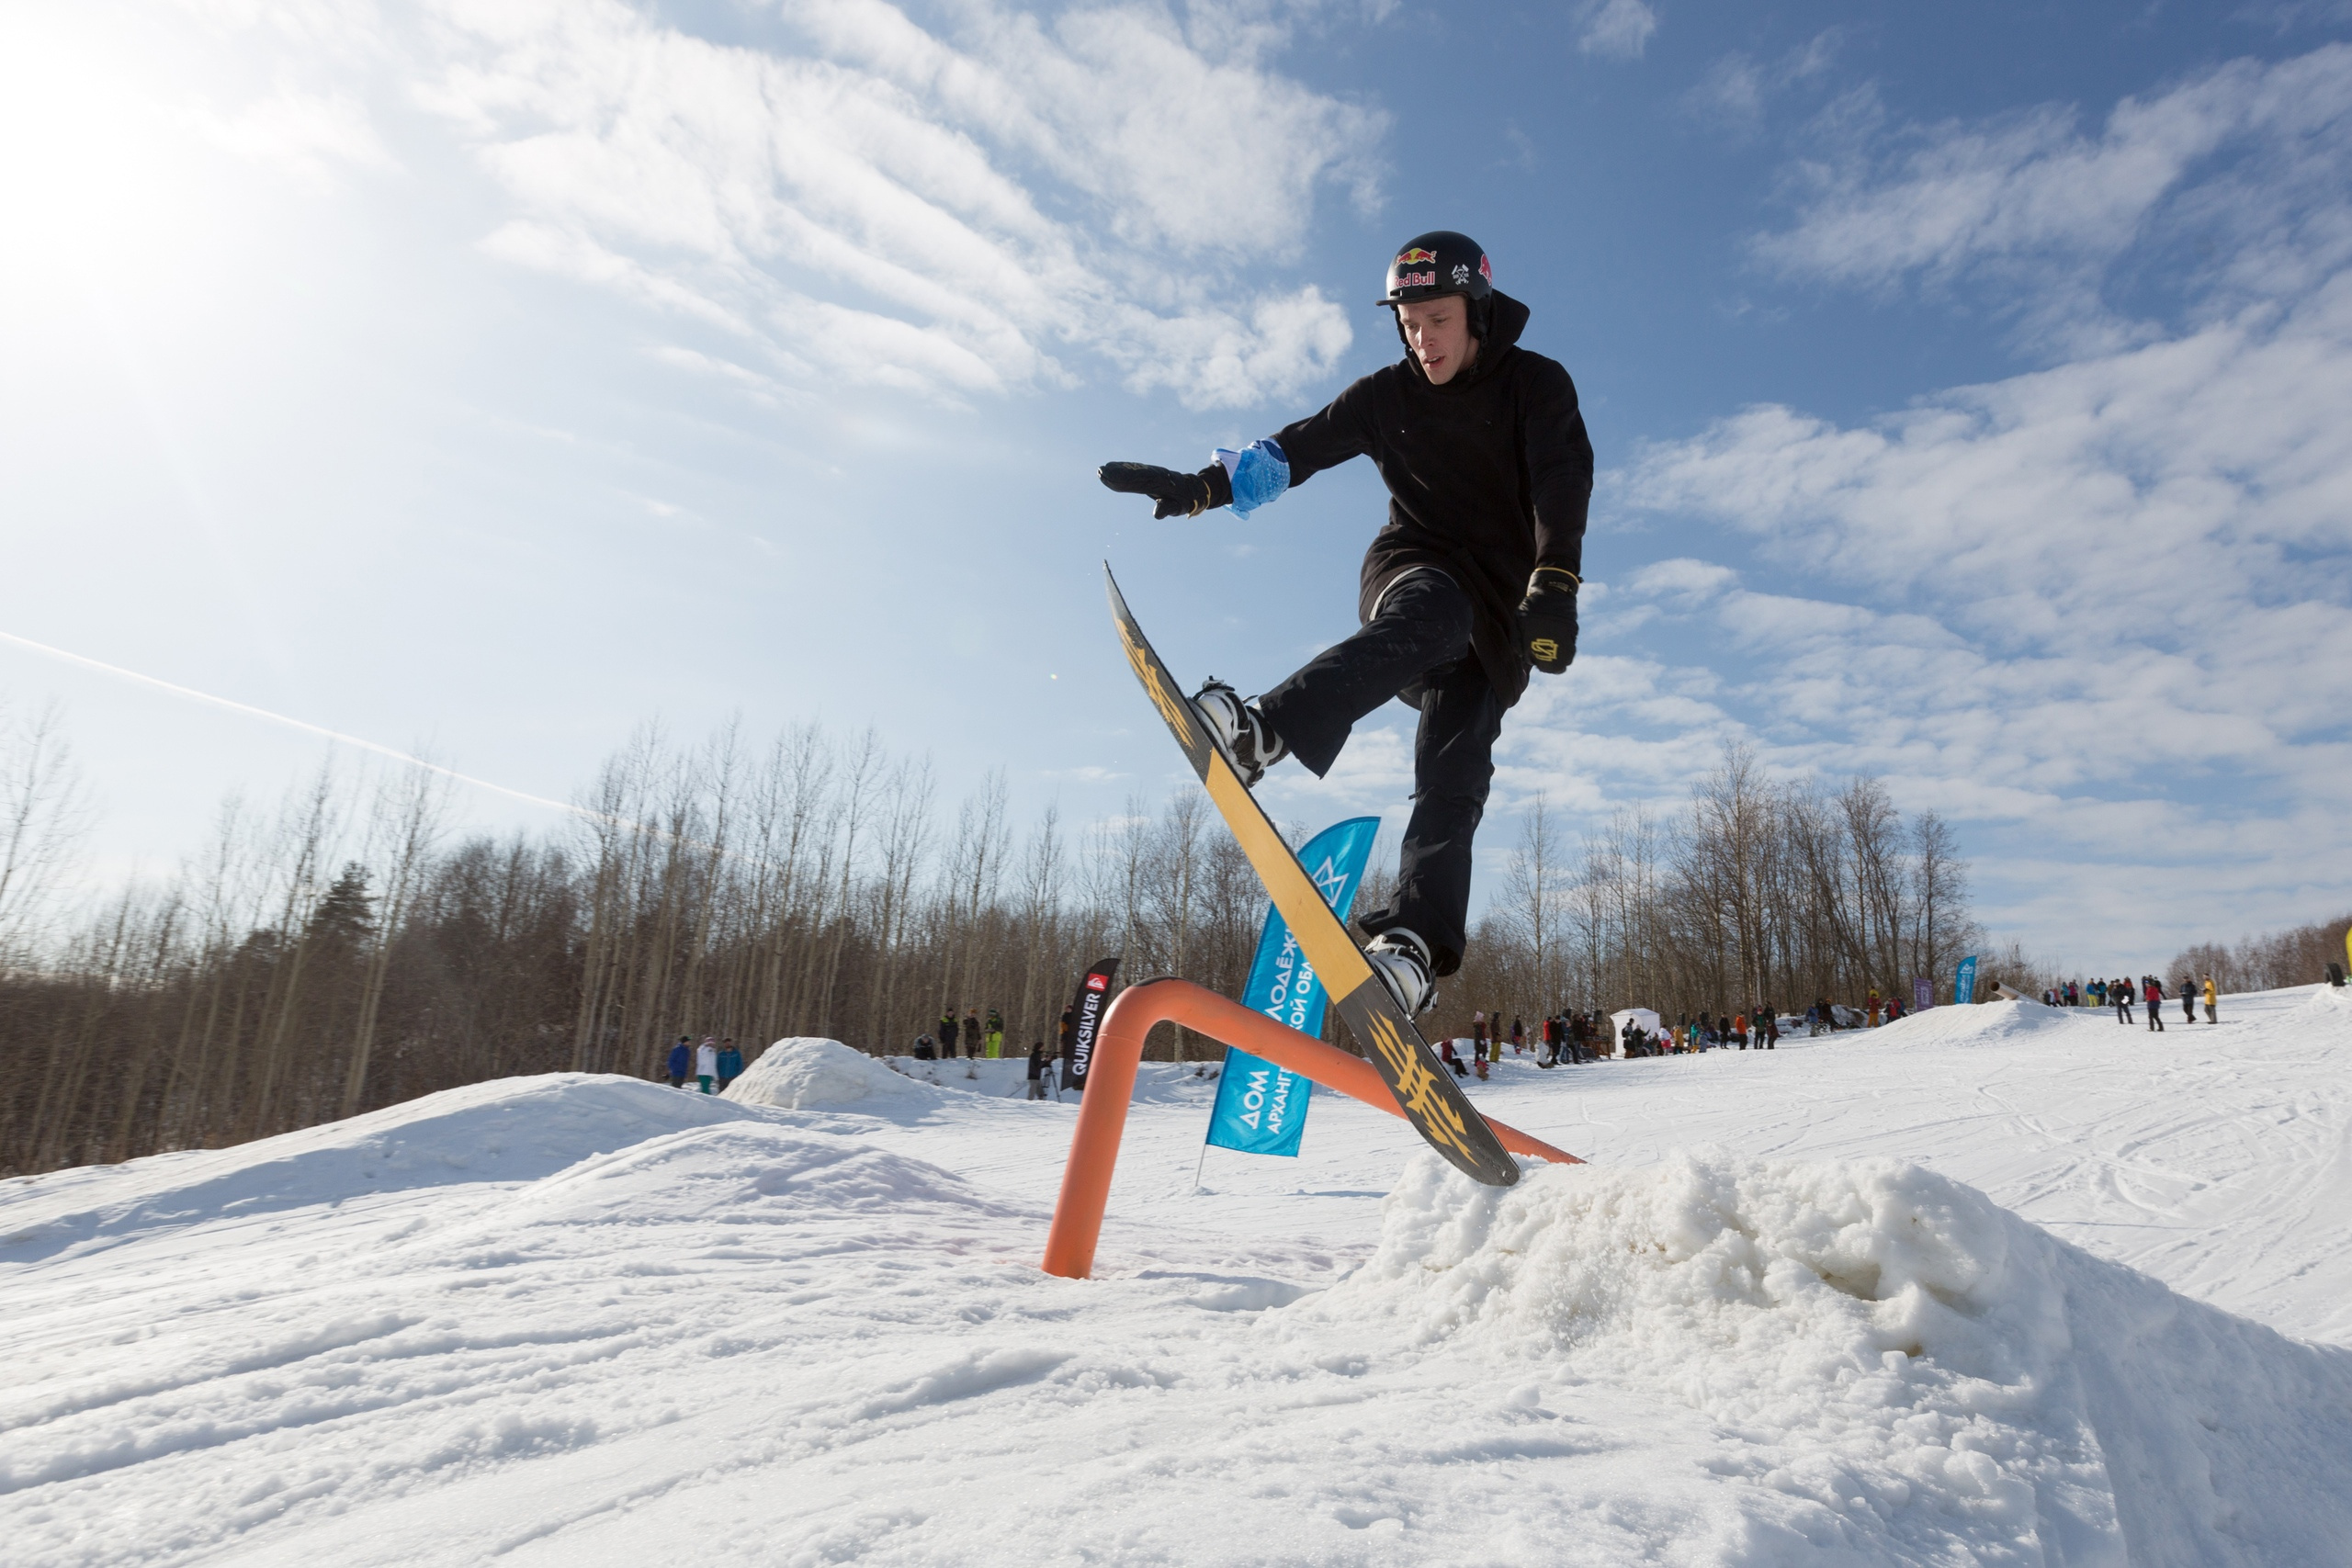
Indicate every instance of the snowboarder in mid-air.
{"type": "Point", "coordinates": [1472, 580]}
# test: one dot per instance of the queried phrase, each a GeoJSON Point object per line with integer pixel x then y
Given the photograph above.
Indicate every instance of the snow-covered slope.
{"type": "Point", "coordinates": [587, 1320]}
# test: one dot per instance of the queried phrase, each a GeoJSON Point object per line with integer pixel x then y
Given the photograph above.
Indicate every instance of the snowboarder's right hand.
{"type": "Point", "coordinates": [1547, 619]}
{"type": "Point", "coordinates": [1177, 495]}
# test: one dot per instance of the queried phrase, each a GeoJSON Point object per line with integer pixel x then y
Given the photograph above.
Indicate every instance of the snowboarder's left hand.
{"type": "Point", "coordinates": [1547, 619]}
{"type": "Point", "coordinates": [1177, 495]}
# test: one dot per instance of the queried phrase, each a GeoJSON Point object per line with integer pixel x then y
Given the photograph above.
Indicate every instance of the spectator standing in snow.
{"type": "Point", "coordinates": [2210, 1017]}
{"type": "Point", "coordinates": [2122, 992]}
{"type": "Point", "coordinates": [947, 1028]}
{"type": "Point", "coordinates": [730, 1064]}
{"type": "Point", "coordinates": [1772, 1028]}
{"type": "Point", "coordinates": [2152, 991]}
{"type": "Point", "coordinates": [707, 1062]}
{"type": "Point", "coordinates": [681, 1059]}
{"type": "Point", "coordinates": [1517, 1038]}
{"type": "Point", "coordinates": [1036, 1070]}
{"type": "Point", "coordinates": [996, 1035]}
{"type": "Point", "coordinates": [973, 1041]}
{"type": "Point", "coordinates": [2187, 1001]}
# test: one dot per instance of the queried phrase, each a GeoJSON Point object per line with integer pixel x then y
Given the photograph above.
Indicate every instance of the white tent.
{"type": "Point", "coordinates": [1643, 1016]}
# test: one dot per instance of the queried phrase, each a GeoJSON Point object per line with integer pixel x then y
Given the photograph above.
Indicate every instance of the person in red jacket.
{"type": "Point", "coordinates": [1472, 583]}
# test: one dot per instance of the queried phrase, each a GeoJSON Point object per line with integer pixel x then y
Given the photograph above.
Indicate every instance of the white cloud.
{"type": "Point", "coordinates": [1737, 87]}
{"type": "Point", "coordinates": [998, 202]}
{"type": "Point", "coordinates": [2248, 157]}
{"type": "Point", "coordinates": [1618, 28]}
{"type": "Point", "coordinates": [2107, 606]}
{"type": "Point", "coordinates": [313, 136]}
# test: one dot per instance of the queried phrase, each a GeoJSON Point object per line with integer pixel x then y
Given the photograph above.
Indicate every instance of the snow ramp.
{"type": "Point", "coordinates": [1896, 1368]}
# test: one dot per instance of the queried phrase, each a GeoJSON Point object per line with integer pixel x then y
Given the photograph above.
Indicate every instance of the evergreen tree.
{"type": "Point", "coordinates": [346, 915]}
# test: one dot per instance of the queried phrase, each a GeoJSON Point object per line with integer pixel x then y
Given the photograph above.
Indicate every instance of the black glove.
{"type": "Point", "coordinates": [1179, 495]}
{"type": "Point", "coordinates": [1547, 619]}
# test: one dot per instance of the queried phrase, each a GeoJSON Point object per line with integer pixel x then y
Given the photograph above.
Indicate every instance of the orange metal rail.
{"type": "Point", "coordinates": [1110, 1084]}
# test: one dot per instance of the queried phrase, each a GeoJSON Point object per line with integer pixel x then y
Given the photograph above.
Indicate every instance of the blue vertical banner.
{"type": "Point", "coordinates": [1963, 985]}
{"type": "Point", "coordinates": [1261, 1108]}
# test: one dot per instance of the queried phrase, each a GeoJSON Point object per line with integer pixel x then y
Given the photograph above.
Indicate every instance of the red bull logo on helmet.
{"type": "Point", "coordinates": [1484, 270]}
{"type": "Point", "coordinates": [1416, 280]}
{"type": "Point", "coordinates": [1407, 258]}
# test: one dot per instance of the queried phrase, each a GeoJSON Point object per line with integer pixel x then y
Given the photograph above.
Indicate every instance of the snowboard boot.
{"type": "Point", "coordinates": [1402, 961]}
{"type": "Point", "coordinates": [1240, 730]}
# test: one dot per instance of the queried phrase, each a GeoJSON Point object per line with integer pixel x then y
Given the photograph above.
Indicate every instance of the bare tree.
{"type": "Point", "coordinates": [44, 810]}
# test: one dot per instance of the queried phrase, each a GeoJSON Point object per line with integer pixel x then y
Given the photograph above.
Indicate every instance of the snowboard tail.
{"type": "Point", "coordinates": [1425, 1091]}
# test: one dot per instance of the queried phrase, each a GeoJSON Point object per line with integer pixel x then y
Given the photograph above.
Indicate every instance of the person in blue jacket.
{"type": "Point", "coordinates": [681, 1058]}
{"type": "Point", "coordinates": [730, 1064]}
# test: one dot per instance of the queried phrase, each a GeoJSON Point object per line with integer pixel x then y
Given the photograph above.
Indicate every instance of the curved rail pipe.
{"type": "Point", "coordinates": [1110, 1084]}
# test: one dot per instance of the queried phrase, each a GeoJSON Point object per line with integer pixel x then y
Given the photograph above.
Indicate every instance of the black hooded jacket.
{"type": "Point", "coordinates": [1489, 477]}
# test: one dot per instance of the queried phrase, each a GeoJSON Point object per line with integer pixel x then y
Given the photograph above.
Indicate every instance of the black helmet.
{"type": "Point", "coordinates": [1439, 262]}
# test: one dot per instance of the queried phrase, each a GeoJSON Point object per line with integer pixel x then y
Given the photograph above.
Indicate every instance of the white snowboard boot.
{"type": "Point", "coordinates": [1240, 730]}
{"type": "Point", "coordinates": [1401, 959]}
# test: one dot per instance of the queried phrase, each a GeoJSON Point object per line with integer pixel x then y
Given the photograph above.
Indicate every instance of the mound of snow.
{"type": "Point", "coordinates": [507, 1130]}
{"type": "Point", "coordinates": [1925, 1368]}
{"type": "Point", "coordinates": [803, 1074]}
{"type": "Point", "coordinates": [2327, 1004]}
{"type": "Point", "coordinates": [745, 1174]}
{"type": "Point", "coordinates": [1978, 1023]}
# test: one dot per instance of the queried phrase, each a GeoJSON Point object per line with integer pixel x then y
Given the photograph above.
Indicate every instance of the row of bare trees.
{"type": "Point", "coordinates": [2298, 956]}
{"type": "Point", "coordinates": [1758, 891]}
{"type": "Point", "coordinates": [349, 949]}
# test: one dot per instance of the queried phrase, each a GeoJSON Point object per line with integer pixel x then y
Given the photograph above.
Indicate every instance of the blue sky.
{"type": "Point", "coordinates": [1970, 388]}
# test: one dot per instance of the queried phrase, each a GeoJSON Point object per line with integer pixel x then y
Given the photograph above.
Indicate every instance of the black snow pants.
{"type": "Point", "coordinates": [1416, 646]}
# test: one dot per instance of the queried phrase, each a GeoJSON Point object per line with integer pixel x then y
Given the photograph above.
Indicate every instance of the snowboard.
{"type": "Point", "coordinates": [1425, 1091]}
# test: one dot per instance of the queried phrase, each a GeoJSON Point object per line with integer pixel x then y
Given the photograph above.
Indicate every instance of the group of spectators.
{"type": "Point", "coordinates": [978, 1039]}
{"type": "Point", "coordinates": [1688, 1036]}
{"type": "Point", "coordinates": [1565, 1038]}
{"type": "Point", "coordinates": [1569, 1037]}
{"type": "Point", "coordinates": [2148, 991]}
{"type": "Point", "coordinates": [714, 1062]}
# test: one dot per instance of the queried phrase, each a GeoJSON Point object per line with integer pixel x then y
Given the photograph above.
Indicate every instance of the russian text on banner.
{"type": "Point", "coordinates": [1261, 1108]}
